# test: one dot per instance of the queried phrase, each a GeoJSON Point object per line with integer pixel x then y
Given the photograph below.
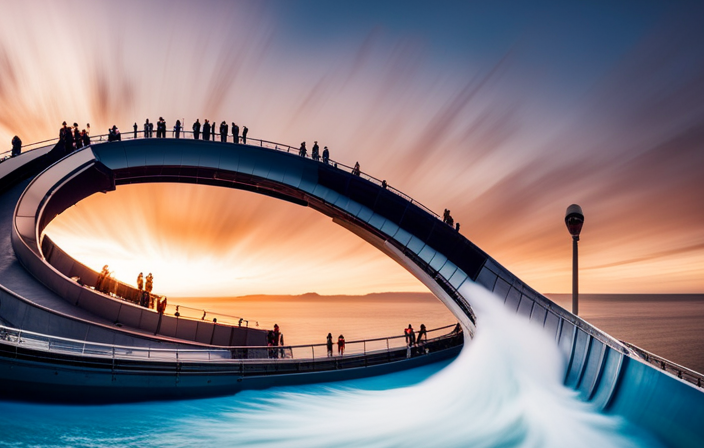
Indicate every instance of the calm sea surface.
{"type": "Point", "coordinates": [671, 326]}
{"type": "Point", "coordinates": [308, 319]}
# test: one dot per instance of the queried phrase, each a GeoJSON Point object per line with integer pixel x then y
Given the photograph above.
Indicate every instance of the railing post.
{"type": "Point", "coordinates": [365, 347]}
{"type": "Point", "coordinates": [312, 349]}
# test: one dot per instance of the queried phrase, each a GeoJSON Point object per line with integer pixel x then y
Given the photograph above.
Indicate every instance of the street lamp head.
{"type": "Point", "coordinates": [574, 218]}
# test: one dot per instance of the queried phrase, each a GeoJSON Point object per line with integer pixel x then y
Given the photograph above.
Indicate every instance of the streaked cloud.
{"type": "Point", "coordinates": [505, 117]}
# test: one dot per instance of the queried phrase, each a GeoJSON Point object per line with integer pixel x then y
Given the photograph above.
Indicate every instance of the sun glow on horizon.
{"type": "Point", "coordinates": [212, 241]}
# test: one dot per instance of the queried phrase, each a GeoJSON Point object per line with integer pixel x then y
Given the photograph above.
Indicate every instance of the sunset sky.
{"type": "Point", "coordinates": [504, 112]}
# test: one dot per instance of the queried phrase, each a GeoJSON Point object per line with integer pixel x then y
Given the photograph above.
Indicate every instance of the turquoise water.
{"type": "Point", "coordinates": [178, 423]}
{"type": "Point", "coordinates": [504, 389]}
{"type": "Point", "coordinates": [390, 410]}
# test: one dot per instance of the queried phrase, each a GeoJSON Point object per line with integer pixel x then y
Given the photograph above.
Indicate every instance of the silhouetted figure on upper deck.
{"type": "Point", "coordinates": [244, 135]}
{"type": "Point", "coordinates": [329, 344]}
{"type": "Point", "coordinates": [86, 138]}
{"type": "Point", "coordinates": [326, 156]}
{"type": "Point", "coordinates": [77, 136]}
{"type": "Point", "coordinates": [315, 152]}
{"type": "Point", "coordinates": [68, 139]}
{"type": "Point", "coordinates": [206, 130]}
{"type": "Point", "coordinates": [196, 129]}
{"type": "Point", "coordinates": [223, 131]}
{"type": "Point", "coordinates": [447, 218]}
{"type": "Point", "coordinates": [302, 151]}
{"type": "Point", "coordinates": [235, 133]}
{"type": "Point", "coordinates": [135, 129]}
{"type": "Point", "coordinates": [177, 129]}
{"type": "Point", "coordinates": [140, 281]}
{"type": "Point", "coordinates": [16, 146]}
{"type": "Point", "coordinates": [151, 130]}
{"type": "Point", "coordinates": [355, 170]}
{"type": "Point", "coordinates": [149, 283]}
{"type": "Point", "coordinates": [78, 139]}
{"type": "Point", "coordinates": [146, 128]}
{"type": "Point", "coordinates": [161, 128]}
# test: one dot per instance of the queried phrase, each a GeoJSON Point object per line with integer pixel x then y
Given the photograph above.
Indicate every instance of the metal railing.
{"type": "Point", "coordinates": [187, 312]}
{"type": "Point", "coordinates": [54, 344]}
{"type": "Point", "coordinates": [677, 370]}
{"type": "Point", "coordinates": [215, 137]}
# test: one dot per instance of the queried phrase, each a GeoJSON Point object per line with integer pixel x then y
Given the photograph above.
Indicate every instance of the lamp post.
{"type": "Point", "coordinates": [574, 219]}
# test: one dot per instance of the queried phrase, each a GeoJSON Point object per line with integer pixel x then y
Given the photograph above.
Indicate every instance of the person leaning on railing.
{"type": "Point", "coordinates": [422, 335]}
{"type": "Point", "coordinates": [341, 345]}
{"type": "Point", "coordinates": [329, 345]}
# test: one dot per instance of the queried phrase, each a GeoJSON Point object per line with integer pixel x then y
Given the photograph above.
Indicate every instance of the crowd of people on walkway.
{"type": "Point", "coordinates": [71, 138]}
{"type": "Point", "coordinates": [106, 284]}
{"type": "Point", "coordinates": [145, 285]}
{"type": "Point", "coordinates": [340, 345]}
{"type": "Point", "coordinates": [207, 131]}
{"type": "Point", "coordinates": [315, 152]}
{"type": "Point", "coordinates": [447, 219]}
{"type": "Point", "coordinates": [415, 342]}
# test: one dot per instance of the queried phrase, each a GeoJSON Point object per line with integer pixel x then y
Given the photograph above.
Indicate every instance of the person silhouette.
{"type": "Point", "coordinates": [235, 133]}
{"type": "Point", "coordinates": [341, 345]}
{"type": "Point", "coordinates": [329, 344]}
{"type": "Point", "coordinates": [16, 146]}
{"type": "Point", "coordinates": [244, 135]}
{"type": "Point", "coordinates": [206, 130]}
{"type": "Point", "coordinates": [223, 131]}
{"type": "Point", "coordinates": [196, 129]}
{"type": "Point", "coordinates": [326, 156]}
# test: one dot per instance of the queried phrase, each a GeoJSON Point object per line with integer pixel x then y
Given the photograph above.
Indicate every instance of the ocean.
{"type": "Point", "coordinates": [504, 389]}
{"type": "Point", "coordinates": [667, 325]}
